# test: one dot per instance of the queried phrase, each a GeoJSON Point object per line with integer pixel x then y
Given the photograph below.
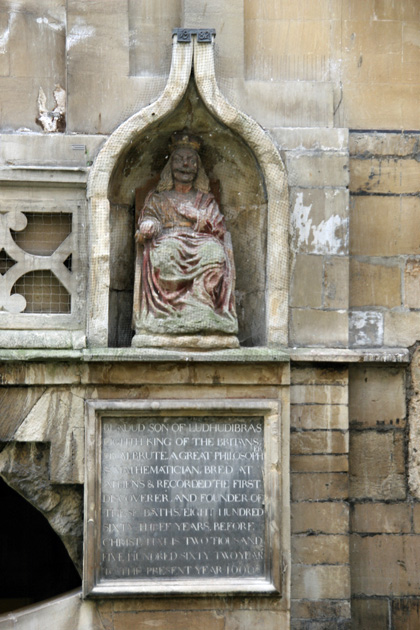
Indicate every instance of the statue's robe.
{"type": "Point", "coordinates": [188, 277]}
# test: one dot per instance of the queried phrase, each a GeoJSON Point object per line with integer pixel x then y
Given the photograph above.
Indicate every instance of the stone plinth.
{"type": "Point", "coordinates": [249, 383]}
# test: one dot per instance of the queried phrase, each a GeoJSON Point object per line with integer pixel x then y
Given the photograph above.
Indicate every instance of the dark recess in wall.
{"type": "Point", "coordinates": [34, 564]}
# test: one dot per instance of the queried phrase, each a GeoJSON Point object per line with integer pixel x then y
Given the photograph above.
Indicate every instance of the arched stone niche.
{"type": "Point", "coordinates": [247, 178]}
{"type": "Point", "coordinates": [238, 185]}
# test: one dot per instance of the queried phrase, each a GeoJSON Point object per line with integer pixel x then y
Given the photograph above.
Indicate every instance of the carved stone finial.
{"type": "Point", "coordinates": [204, 35]}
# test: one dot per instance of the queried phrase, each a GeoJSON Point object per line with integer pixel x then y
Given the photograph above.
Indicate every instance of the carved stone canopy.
{"type": "Point", "coordinates": [248, 166]}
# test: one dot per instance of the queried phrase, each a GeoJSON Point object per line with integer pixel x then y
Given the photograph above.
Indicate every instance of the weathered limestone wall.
{"type": "Point", "coordinates": [366, 53]}
{"type": "Point", "coordinates": [25, 65]}
{"type": "Point", "coordinates": [336, 85]}
{"type": "Point", "coordinates": [385, 532]}
{"type": "Point", "coordinates": [319, 448]}
{"type": "Point", "coordinates": [378, 54]}
{"type": "Point", "coordinates": [43, 459]}
{"type": "Point", "coordinates": [331, 62]}
{"type": "Point", "coordinates": [355, 516]}
{"type": "Point", "coordinates": [384, 239]}
{"type": "Point", "coordinates": [317, 164]}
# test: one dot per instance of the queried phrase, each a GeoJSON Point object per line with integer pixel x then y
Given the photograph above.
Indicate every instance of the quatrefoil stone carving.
{"type": "Point", "coordinates": [25, 262]}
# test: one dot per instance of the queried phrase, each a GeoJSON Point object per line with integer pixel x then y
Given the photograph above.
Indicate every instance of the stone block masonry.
{"type": "Point", "coordinates": [43, 459]}
{"type": "Point", "coordinates": [319, 489]}
{"type": "Point", "coordinates": [384, 545]}
{"type": "Point", "coordinates": [384, 238]}
{"type": "Point", "coordinates": [336, 86]}
{"type": "Point", "coordinates": [318, 174]}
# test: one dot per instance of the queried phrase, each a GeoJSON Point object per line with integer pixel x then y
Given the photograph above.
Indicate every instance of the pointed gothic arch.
{"type": "Point", "coordinates": [143, 125]}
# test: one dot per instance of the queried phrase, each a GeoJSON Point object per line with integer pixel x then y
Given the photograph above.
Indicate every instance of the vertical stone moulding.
{"type": "Point", "coordinates": [257, 142]}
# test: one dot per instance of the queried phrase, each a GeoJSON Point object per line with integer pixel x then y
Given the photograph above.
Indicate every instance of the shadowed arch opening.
{"type": "Point", "coordinates": [34, 564]}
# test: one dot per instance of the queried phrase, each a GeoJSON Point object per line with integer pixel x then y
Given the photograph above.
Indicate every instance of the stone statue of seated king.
{"type": "Point", "coordinates": [185, 274]}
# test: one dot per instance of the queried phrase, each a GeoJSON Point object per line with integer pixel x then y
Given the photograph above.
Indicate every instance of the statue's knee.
{"type": "Point", "coordinates": [165, 255]}
{"type": "Point", "coordinates": [212, 252]}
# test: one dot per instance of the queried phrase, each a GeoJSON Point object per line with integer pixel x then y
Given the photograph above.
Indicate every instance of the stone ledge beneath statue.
{"type": "Point", "coordinates": [131, 367]}
{"type": "Point", "coordinates": [188, 343]}
{"type": "Point", "coordinates": [145, 355]}
{"type": "Point", "coordinates": [232, 355]}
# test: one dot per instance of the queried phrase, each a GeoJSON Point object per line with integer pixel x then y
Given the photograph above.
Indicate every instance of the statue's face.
{"type": "Point", "coordinates": [184, 165]}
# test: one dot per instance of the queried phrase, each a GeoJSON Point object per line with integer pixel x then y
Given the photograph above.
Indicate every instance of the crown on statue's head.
{"type": "Point", "coordinates": [185, 138]}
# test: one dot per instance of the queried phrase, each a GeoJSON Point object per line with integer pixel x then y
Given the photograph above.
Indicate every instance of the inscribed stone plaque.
{"type": "Point", "coordinates": [180, 502]}
{"type": "Point", "coordinates": [182, 497]}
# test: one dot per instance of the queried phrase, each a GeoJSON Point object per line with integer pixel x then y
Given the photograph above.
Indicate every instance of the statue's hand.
{"type": "Point", "coordinates": [138, 237]}
{"type": "Point", "coordinates": [147, 229]}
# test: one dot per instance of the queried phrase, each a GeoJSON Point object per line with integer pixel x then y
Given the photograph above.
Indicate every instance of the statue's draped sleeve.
{"type": "Point", "coordinates": [210, 219]}
{"type": "Point", "coordinates": [151, 211]}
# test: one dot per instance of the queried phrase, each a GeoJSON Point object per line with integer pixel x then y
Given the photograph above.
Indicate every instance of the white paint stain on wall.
{"type": "Point", "coordinates": [79, 32]}
{"type": "Point", "coordinates": [300, 223]}
{"type": "Point", "coordinates": [5, 36]}
{"type": "Point", "coordinates": [330, 236]}
{"type": "Point", "coordinates": [55, 26]}
{"type": "Point", "coordinates": [366, 328]}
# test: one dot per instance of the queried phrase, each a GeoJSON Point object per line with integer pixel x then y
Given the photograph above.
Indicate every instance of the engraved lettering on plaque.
{"type": "Point", "coordinates": [182, 498]}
